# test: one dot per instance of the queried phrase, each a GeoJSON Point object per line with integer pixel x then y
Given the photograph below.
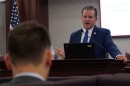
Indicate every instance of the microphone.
{"type": "Point", "coordinates": [107, 55]}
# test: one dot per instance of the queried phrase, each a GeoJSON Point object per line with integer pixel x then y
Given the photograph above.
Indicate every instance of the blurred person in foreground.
{"type": "Point", "coordinates": [28, 55]}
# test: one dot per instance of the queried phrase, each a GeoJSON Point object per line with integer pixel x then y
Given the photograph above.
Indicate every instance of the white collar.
{"type": "Point", "coordinates": [89, 31]}
{"type": "Point", "coordinates": [31, 74]}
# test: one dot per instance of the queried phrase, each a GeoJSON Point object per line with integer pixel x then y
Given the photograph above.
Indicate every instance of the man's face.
{"type": "Point", "coordinates": [88, 19]}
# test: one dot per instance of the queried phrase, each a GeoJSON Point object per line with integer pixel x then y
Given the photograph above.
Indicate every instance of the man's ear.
{"type": "Point", "coordinates": [48, 59]}
{"type": "Point", "coordinates": [8, 61]}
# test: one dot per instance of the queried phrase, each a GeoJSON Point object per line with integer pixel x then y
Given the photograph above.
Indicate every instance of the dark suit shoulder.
{"type": "Point", "coordinates": [26, 81]}
{"type": "Point", "coordinates": [5, 84]}
{"type": "Point", "coordinates": [78, 31]}
{"type": "Point", "coordinates": [76, 36]}
{"type": "Point", "coordinates": [104, 31]}
{"type": "Point", "coordinates": [22, 79]}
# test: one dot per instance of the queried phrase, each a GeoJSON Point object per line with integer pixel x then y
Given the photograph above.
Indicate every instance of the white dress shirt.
{"type": "Point", "coordinates": [89, 34]}
{"type": "Point", "coordinates": [31, 74]}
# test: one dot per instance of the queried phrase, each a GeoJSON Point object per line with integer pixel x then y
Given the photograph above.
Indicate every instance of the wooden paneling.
{"type": "Point", "coordinates": [43, 13]}
{"type": "Point", "coordinates": [29, 10]}
{"type": "Point", "coordinates": [8, 5]}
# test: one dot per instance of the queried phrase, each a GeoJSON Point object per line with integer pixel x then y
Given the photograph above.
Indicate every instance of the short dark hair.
{"type": "Point", "coordinates": [90, 8]}
{"type": "Point", "coordinates": [27, 42]}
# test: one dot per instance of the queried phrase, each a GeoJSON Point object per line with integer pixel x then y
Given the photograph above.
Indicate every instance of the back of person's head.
{"type": "Point", "coordinates": [90, 8]}
{"type": "Point", "coordinates": [27, 43]}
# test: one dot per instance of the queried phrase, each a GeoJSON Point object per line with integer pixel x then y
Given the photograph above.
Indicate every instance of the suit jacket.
{"type": "Point", "coordinates": [66, 81]}
{"type": "Point", "coordinates": [103, 37]}
{"type": "Point", "coordinates": [25, 81]}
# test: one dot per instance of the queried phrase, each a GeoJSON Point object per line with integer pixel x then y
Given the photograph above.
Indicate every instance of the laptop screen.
{"type": "Point", "coordinates": [79, 51]}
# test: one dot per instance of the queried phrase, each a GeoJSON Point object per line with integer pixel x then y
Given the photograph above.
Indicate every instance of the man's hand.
{"type": "Point", "coordinates": [60, 52]}
{"type": "Point", "coordinates": [123, 58]}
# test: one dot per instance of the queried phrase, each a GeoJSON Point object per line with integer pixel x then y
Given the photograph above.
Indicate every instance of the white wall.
{"type": "Point", "coordinates": [123, 44]}
{"type": "Point", "coordinates": [65, 18]}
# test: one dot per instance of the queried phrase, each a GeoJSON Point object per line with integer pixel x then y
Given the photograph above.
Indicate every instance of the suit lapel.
{"type": "Point", "coordinates": [94, 34]}
{"type": "Point", "coordinates": [79, 36]}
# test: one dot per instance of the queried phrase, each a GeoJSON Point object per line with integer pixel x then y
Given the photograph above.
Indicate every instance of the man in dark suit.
{"type": "Point", "coordinates": [28, 54]}
{"type": "Point", "coordinates": [101, 37]}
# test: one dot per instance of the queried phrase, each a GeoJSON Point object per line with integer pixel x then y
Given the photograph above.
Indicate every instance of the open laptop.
{"type": "Point", "coordinates": [79, 51]}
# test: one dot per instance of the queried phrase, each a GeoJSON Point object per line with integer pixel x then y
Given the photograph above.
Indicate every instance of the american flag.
{"type": "Point", "coordinates": [14, 15]}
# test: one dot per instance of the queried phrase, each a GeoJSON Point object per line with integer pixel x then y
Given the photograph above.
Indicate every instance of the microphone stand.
{"type": "Point", "coordinates": [106, 55]}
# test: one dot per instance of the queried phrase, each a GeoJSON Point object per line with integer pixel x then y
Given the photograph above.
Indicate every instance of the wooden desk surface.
{"type": "Point", "coordinates": [80, 67]}
{"type": "Point", "coordinates": [87, 67]}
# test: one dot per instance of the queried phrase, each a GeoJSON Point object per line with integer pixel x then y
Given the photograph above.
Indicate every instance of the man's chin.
{"type": "Point", "coordinates": [87, 27]}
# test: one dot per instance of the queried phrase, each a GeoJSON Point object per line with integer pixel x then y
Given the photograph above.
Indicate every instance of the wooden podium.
{"type": "Point", "coordinates": [79, 67]}
{"type": "Point", "coordinates": [86, 67]}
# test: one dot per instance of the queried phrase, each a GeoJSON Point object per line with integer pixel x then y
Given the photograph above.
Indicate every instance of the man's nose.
{"type": "Point", "coordinates": [87, 19]}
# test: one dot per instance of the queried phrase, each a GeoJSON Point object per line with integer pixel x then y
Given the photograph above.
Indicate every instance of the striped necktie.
{"type": "Point", "coordinates": [85, 39]}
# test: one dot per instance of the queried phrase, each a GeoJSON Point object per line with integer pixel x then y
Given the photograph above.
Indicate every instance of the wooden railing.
{"type": "Point", "coordinates": [79, 67]}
